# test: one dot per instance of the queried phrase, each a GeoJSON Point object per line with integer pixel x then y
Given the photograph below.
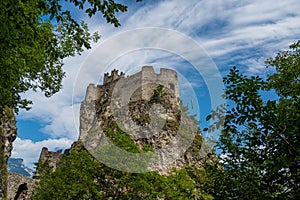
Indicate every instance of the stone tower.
{"type": "Point", "coordinates": [135, 87]}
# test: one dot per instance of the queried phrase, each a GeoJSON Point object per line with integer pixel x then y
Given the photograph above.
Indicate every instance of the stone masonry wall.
{"type": "Point", "coordinates": [167, 77]}
{"type": "Point", "coordinates": [20, 187]}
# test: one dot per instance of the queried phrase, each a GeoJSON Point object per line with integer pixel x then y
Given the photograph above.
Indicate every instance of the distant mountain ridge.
{"type": "Point", "coordinates": [16, 165]}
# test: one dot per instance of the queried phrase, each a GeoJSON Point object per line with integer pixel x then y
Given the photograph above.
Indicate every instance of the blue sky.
{"type": "Point", "coordinates": [230, 33]}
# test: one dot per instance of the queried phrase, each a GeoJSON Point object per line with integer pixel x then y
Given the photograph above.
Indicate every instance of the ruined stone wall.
{"type": "Point", "coordinates": [129, 88]}
{"type": "Point", "coordinates": [49, 159]}
{"type": "Point", "coordinates": [137, 83]}
{"type": "Point", "coordinates": [113, 76]}
{"type": "Point", "coordinates": [167, 77]}
{"type": "Point", "coordinates": [20, 187]}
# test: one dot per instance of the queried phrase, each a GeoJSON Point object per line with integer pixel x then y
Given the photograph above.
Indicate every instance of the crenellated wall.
{"type": "Point", "coordinates": [167, 77]}
{"type": "Point", "coordinates": [113, 76]}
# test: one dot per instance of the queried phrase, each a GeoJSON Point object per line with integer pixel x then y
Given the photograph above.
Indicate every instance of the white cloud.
{"type": "Point", "coordinates": [58, 112]}
{"type": "Point", "coordinates": [30, 151]}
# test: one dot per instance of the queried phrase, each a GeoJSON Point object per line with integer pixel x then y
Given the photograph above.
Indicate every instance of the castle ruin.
{"type": "Point", "coordinates": [128, 103]}
{"type": "Point", "coordinates": [136, 87]}
{"type": "Point", "coordinates": [167, 77]}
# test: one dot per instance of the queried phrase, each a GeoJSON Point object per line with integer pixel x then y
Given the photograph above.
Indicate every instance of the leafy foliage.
{"type": "Point", "coordinates": [159, 92]}
{"type": "Point", "coordinates": [79, 176]}
{"type": "Point", "coordinates": [36, 35]}
{"type": "Point", "coordinates": [260, 140]}
{"type": "Point", "coordinates": [73, 179]}
{"type": "Point", "coordinates": [125, 142]}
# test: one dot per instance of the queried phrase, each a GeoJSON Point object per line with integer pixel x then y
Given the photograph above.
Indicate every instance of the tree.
{"type": "Point", "coordinates": [36, 35]}
{"type": "Point", "coordinates": [260, 141]}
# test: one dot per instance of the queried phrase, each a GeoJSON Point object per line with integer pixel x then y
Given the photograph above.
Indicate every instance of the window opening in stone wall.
{"type": "Point", "coordinates": [171, 86]}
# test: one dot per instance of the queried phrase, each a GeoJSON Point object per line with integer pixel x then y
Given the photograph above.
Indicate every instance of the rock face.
{"type": "Point", "coordinates": [146, 107]}
{"type": "Point", "coordinates": [8, 133]}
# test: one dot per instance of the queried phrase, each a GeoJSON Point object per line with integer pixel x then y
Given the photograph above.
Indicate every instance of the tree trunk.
{"type": "Point", "coordinates": [8, 133]}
